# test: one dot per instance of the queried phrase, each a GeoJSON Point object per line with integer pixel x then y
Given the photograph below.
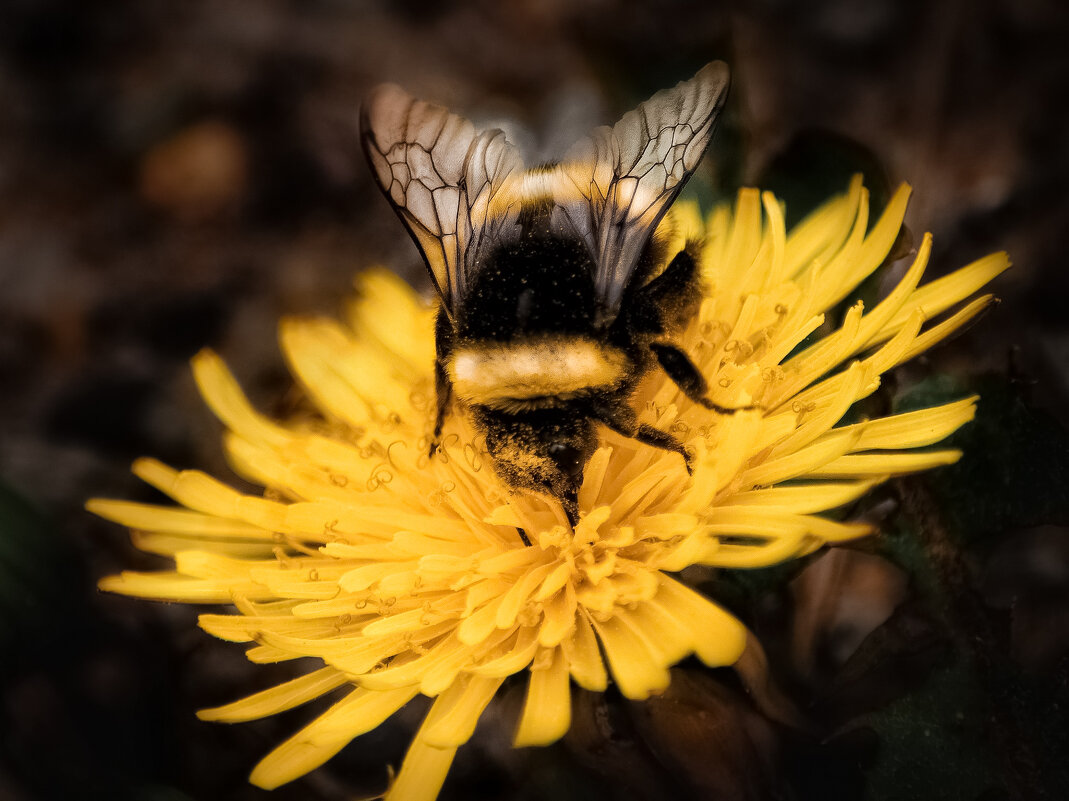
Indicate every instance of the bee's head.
{"type": "Point", "coordinates": [544, 450]}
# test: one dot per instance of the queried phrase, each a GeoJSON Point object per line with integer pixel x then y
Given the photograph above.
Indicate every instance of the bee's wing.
{"type": "Point", "coordinates": [628, 175]}
{"type": "Point", "coordinates": [442, 178]}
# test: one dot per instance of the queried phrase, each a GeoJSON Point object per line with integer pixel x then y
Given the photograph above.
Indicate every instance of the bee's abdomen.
{"type": "Point", "coordinates": [498, 375]}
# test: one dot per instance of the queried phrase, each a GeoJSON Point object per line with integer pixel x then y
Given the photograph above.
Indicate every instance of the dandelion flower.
{"type": "Point", "coordinates": [413, 575]}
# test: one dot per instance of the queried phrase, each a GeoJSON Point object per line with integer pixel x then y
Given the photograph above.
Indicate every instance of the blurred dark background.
{"type": "Point", "coordinates": [175, 175]}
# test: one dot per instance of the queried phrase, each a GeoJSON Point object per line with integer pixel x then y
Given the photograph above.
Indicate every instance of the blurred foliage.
{"type": "Point", "coordinates": [979, 722]}
{"type": "Point", "coordinates": [1015, 469]}
{"type": "Point", "coordinates": [816, 165]}
{"type": "Point", "coordinates": [34, 576]}
{"type": "Point", "coordinates": [933, 743]}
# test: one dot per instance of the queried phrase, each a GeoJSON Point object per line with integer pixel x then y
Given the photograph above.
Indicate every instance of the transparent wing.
{"type": "Point", "coordinates": [443, 179]}
{"type": "Point", "coordinates": [624, 178]}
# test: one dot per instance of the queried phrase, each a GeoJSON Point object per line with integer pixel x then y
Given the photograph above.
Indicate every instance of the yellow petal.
{"type": "Point", "coordinates": [359, 712]}
{"type": "Point", "coordinates": [856, 465]}
{"type": "Point", "coordinates": [547, 710]}
{"type": "Point", "coordinates": [803, 499]}
{"type": "Point", "coordinates": [278, 698]}
{"type": "Point", "coordinates": [719, 638]}
{"type": "Point", "coordinates": [635, 668]}
{"type": "Point", "coordinates": [422, 773]}
{"type": "Point", "coordinates": [916, 429]}
{"type": "Point", "coordinates": [455, 712]}
{"type": "Point", "coordinates": [175, 521]}
{"type": "Point", "coordinates": [512, 656]}
{"type": "Point", "coordinates": [936, 296]}
{"type": "Point", "coordinates": [583, 656]}
{"type": "Point", "coordinates": [223, 395]}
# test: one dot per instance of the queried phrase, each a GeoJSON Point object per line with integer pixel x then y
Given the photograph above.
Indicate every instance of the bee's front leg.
{"type": "Point", "coordinates": [621, 418]}
{"type": "Point", "coordinates": [687, 377]}
{"type": "Point", "coordinates": [443, 389]}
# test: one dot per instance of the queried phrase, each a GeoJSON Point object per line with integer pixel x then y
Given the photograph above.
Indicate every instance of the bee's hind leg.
{"type": "Point", "coordinates": [621, 419]}
{"type": "Point", "coordinates": [687, 377]}
{"type": "Point", "coordinates": [570, 504]}
{"type": "Point", "coordinates": [443, 389]}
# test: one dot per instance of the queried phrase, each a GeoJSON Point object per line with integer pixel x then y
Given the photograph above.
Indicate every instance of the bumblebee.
{"type": "Point", "coordinates": [556, 295]}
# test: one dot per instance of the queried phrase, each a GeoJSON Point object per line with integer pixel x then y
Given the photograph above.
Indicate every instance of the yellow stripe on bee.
{"type": "Point", "coordinates": [538, 185]}
{"type": "Point", "coordinates": [558, 366]}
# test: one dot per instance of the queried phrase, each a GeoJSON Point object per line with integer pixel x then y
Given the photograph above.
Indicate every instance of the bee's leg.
{"type": "Point", "coordinates": [570, 504]}
{"type": "Point", "coordinates": [686, 376]}
{"type": "Point", "coordinates": [621, 418]}
{"type": "Point", "coordinates": [443, 337]}
{"type": "Point", "coordinates": [442, 391]}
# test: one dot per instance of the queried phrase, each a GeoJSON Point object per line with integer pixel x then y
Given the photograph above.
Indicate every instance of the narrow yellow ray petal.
{"type": "Point", "coordinates": [172, 544]}
{"type": "Point", "coordinates": [773, 523]}
{"type": "Point", "coordinates": [817, 360]}
{"type": "Point", "coordinates": [938, 333]}
{"type": "Point", "coordinates": [455, 712]}
{"type": "Point", "coordinates": [279, 698]}
{"type": "Point", "coordinates": [357, 713]}
{"type": "Point", "coordinates": [915, 429]}
{"type": "Point", "coordinates": [307, 348]}
{"type": "Point", "coordinates": [874, 325]}
{"type": "Point", "coordinates": [547, 709]}
{"type": "Point", "coordinates": [763, 554]}
{"type": "Point", "coordinates": [804, 462]}
{"type": "Point", "coordinates": [477, 626]}
{"type": "Point", "coordinates": [894, 464]}
{"type": "Point", "coordinates": [719, 639]}
{"type": "Point", "coordinates": [871, 253]}
{"type": "Point", "coordinates": [803, 499]}
{"type": "Point", "coordinates": [634, 667]}
{"type": "Point", "coordinates": [791, 338]}
{"type": "Point", "coordinates": [842, 267]}
{"type": "Point", "coordinates": [745, 237]}
{"type": "Point", "coordinates": [683, 553]}
{"type": "Point", "coordinates": [824, 229]}
{"type": "Point", "coordinates": [518, 594]}
{"type": "Point", "coordinates": [247, 628]}
{"type": "Point", "coordinates": [671, 638]}
{"type": "Point", "coordinates": [942, 293]}
{"type": "Point", "coordinates": [716, 237]}
{"type": "Point", "coordinates": [269, 655]}
{"type": "Point", "coordinates": [583, 656]}
{"type": "Point", "coordinates": [558, 617]}
{"type": "Point", "coordinates": [827, 413]}
{"type": "Point", "coordinates": [261, 465]}
{"type": "Point", "coordinates": [410, 620]}
{"type": "Point", "coordinates": [386, 312]}
{"type": "Point", "coordinates": [174, 521]}
{"type": "Point", "coordinates": [422, 773]}
{"type": "Point", "coordinates": [515, 653]}
{"type": "Point", "coordinates": [777, 234]}
{"type": "Point", "coordinates": [166, 586]}
{"type": "Point", "coordinates": [224, 397]}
